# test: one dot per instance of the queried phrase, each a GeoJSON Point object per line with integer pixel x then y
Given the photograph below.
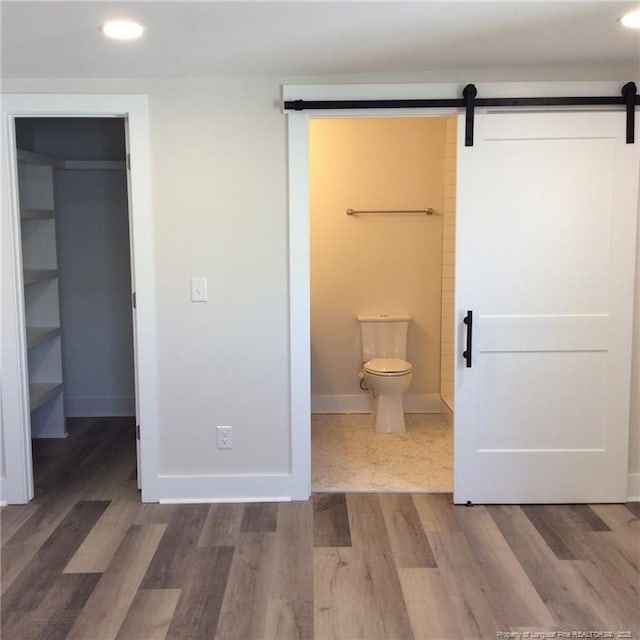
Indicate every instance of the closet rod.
{"type": "Point", "coordinates": [424, 212]}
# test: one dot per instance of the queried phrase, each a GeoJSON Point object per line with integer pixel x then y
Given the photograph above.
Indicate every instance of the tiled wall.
{"type": "Point", "coordinates": [447, 357]}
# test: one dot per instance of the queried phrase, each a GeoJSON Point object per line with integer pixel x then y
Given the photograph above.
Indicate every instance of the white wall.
{"type": "Point", "coordinates": [219, 189]}
{"type": "Point", "coordinates": [221, 212]}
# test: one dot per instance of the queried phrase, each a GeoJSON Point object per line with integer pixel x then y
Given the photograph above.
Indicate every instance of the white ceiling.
{"type": "Point", "coordinates": [60, 39]}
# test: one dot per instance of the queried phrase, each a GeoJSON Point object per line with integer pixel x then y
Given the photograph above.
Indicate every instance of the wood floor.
{"type": "Point", "coordinates": [86, 561]}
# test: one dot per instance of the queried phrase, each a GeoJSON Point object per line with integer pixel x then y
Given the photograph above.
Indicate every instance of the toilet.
{"type": "Point", "coordinates": [386, 373]}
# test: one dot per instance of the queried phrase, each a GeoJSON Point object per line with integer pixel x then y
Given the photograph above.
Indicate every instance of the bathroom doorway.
{"type": "Point", "coordinates": [398, 260]}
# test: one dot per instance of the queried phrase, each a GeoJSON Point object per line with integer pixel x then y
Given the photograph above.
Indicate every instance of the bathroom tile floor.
{"type": "Point", "coordinates": [348, 455]}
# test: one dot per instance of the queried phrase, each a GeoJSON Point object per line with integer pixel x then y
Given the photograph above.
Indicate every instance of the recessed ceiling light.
{"type": "Point", "coordinates": [631, 19]}
{"type": "Point", "coordinates": [122, 29]}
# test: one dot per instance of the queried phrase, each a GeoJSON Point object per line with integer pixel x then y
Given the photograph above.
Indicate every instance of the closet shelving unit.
{"type": "Point", "coordinates": [41, 286]}
{"type": "Point", "coordinates": [41, 294]}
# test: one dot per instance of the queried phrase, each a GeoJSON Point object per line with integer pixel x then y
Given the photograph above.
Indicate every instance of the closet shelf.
{"type": "Point", "coordinates": [40, 392]}
{"type": "Point", "coordinates": [36, 214]}
{"type": "Point", "coordinates": [33, 276]}
{"type": "Point", "coordinates": [28, 157]}
{"type": "Point", "coordinates": [95, 165]}
{"type": "Point", "coordinates": [36, 177]}
{"type": "Point", "coordinates": [39, 335]}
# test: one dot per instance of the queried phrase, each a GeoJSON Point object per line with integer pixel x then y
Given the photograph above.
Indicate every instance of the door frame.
{"type": "Point", "coordinates": [298, 195]}
{"type": "Point", "coordinates": [17, 472]}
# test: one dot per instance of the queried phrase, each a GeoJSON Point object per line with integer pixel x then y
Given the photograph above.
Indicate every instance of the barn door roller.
{"type": "Point", "coordinates": [629, 99]}
{"type": "Point", "coordinates": [469, 94]}
{"type": "Point", "coordinates": [630, 96]}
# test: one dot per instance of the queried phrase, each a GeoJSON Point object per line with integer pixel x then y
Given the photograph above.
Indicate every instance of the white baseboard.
{"type": "Point", "coordinates": [363, 403]}
{"type": "Point", "coordinates": [355, 403]}
{"type": "Point", "coordinates": [175, 489]}
{"type": "Point", "coordinates": [231, 488]}
{"type": "Point", "coordinates": [447, 412]}
{"type": "Point", "coordinates": [633, 487]}
{"type": "Point", "coordinates": [99, 406]}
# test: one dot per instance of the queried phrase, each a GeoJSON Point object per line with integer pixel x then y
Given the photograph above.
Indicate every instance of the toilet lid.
{"type": "Point", "coordinates": [387, 365]}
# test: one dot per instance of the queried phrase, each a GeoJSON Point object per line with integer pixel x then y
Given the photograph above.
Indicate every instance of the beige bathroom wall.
{"type": "Point", "coordinates": [448, 263]}
{"type": "Point", "coordinates": [379, 263]}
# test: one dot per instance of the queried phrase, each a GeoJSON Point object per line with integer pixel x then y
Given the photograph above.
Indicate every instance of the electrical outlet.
{"type": "Point", "coordinates": [225, 440]}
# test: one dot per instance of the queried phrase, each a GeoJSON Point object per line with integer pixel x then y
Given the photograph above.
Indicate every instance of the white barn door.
{"type": "Point", "coordinates": [546, 227]}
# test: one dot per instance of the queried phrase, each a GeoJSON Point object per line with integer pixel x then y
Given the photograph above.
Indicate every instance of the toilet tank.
{"type": "Point", "coordinates": [383, 336]}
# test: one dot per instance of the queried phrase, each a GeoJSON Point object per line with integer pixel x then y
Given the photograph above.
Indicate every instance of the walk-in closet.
{"type": "Point", "coordinates": [77, 270]}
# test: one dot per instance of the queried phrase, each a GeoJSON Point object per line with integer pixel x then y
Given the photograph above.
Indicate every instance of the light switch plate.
{"type": "Point", "coordinates": [198, 289]}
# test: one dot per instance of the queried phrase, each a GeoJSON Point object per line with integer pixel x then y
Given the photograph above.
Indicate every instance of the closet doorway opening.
{"type": "Point", "coordinates": [77, 299]}
{"type": "Point", "coordinates": [382, 243]}
{"type": "Point", "coordinates": [16, 469]}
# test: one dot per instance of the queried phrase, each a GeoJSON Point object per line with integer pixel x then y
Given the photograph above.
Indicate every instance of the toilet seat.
{"type": "Point", "coordinates": [388, 367]}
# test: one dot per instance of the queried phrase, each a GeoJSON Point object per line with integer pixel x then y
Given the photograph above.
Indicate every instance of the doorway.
{"type": "Point", "coordinates": [76, 261]}
{"type": "Point", "coordinates": [609, 325]}
{"type": "Point", "coordinates": [393, 256]}
{"type": "Point", "coordinates": [16, 473]}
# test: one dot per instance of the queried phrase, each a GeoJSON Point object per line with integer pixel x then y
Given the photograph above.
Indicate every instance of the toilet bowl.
{"type": "Point", "coordinates": [386, 372]}
{"type": "Point", "coordinates": [387, 379]}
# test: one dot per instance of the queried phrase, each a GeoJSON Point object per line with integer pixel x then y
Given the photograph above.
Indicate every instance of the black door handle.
{"type": "Point", "coordinates": [468, 320]}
